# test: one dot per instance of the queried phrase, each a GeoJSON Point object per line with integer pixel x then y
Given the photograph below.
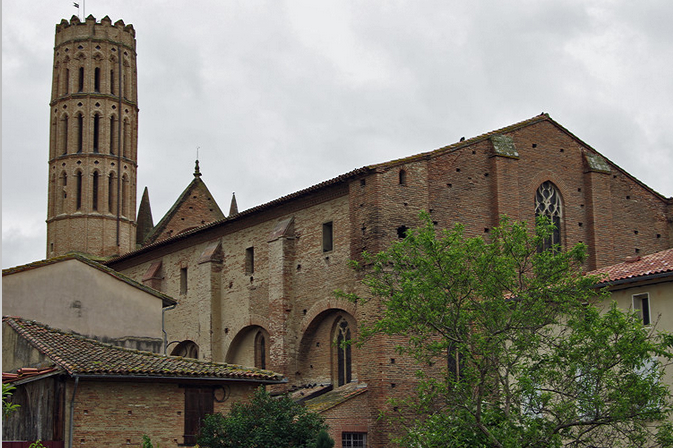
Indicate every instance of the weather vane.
{"type": "Point", "coordinates": [76, 5]}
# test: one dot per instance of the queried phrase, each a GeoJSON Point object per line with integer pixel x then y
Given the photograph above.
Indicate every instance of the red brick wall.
{"type": "Point", "coordinates": [118, 414]}
{"type": "Point", "coordinates": [291, 295]}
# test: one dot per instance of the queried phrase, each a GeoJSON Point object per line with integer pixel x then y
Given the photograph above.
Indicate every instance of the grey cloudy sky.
{"type": "Point", "coordinates": [280, 95]}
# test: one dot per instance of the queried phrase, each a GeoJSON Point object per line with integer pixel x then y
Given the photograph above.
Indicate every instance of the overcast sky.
{"type": "Point", "coordinates": [281, 95]}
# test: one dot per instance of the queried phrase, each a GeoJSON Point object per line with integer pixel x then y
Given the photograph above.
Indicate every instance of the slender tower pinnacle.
{"type": "Point", "coordinates": [93, 139]}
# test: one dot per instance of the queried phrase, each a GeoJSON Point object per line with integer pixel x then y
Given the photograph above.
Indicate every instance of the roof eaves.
{"type": "Point", "coordinates": [464, 143]}
{"type": "Point", "coordinates": [129, 363]}
{"type": "Point", "coordinates": [167, 300]}
{"type": "Point", "coordinates": [620, 169]}
{"type": "Point", "coordinates": [251, 211]}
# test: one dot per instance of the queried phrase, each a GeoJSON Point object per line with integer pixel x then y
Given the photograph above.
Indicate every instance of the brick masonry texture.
{"type": "Point", "coordinates": [93, 139]}
{"type": "Point", "coordinates": [283, 311]}
{"type": "Point", "coordinates": [290, 298]}
{"type": "Point", "coordinates": [118, 414]}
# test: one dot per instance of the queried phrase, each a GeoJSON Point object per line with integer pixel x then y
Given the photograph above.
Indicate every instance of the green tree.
{"type": "Point", "coordinates": [8, 408]}
{"type": "Point", "coordinates": [521, 352]}
{"type": "Point", "coordinates": [263, 422]}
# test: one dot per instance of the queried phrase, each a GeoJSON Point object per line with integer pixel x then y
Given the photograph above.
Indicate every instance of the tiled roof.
{"type": "Point", "coordinates": [28, 373]}
{"type": "Point", "coordinates": [637, 268]}
{"type": "Point", "coordinates": [335, 397]}
{"type": "Point", "coordinates": [81, 356]}
{"type": "Point", "coordinates": [167, 300]}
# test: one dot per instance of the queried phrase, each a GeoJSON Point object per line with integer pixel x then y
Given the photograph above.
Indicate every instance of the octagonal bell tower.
{"type": "Point", "coordinates": [93, 139]}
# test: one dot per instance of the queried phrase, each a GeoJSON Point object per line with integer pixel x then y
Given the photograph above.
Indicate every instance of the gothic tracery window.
{"type": "Point", "coordinates": [343, 347]}
{"type": "Point", "coordinates": [548, 203]}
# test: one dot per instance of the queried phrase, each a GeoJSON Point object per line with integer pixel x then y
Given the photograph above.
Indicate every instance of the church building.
{"type": "Point", "coordinates": [256, 287]}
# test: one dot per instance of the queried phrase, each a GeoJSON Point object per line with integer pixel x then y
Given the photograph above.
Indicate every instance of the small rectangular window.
{"type": "Point", "coordinates": [353, 439]}
{"type": "Point", "coordinates": [641, 305]}
{"type": "Point", "coordinates": [250, 260]}
{"type": "Point", "coordinates": [327, 237]}
{"type": "Point", "coordinates": [183, 280]}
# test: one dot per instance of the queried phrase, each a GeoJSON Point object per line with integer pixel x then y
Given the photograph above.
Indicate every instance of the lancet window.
{"type": "Point", "coordinates": [548, 203]}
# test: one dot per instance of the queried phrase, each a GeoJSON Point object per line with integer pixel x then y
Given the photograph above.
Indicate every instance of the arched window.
{"type": "Point", "coordinates": [64, 136]}
{"type": "Point", "coordinates": [80, 132]}
{"type": "Point", "coordinates": [112, 82]}
{"type": "Point", "coordinates": [343, 347]}
{"type": "Point", "coordinates": [124, 199]}
{"type": "Point", "coordinates": [67, 81]}
{"type": "Point", "coordinates": [186, 349]}
{"type": "Point", "coordinates": [96, 79]}
{"type": "Point", "coordinates": [63, 193]}
{"type": "Point", "coordinates": [53, 198]}
{"type": "Point", "coordinates": [113, 135]}
{"type": "Point", "coordinates": [81, 80]}
{"type": "Point", "coordinates": [125, 138]}
{"type": "Point", "coordinates": [78, 202]}
{"type": "Point", "coordinates": [94, 191]}
{"type": "Point", "coordinates": [260, 350]}
{"type": "Point", "coordinates": [96, 132]}
{"type": "Point", "coordinates": [403, 177]}
{"type": "Point", "coordinates": [111, 192]}
{"type": "Point", "coordinates": [548, 203]}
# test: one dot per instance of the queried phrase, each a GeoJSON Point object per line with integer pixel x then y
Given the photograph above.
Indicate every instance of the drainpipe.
{"type": "Point", "coordinates": [72, 412]}
{"type": "Point", "coordinates": [163, 329]}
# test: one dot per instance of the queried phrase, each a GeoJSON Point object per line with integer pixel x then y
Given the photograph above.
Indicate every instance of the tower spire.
{"type": "Point", "coordinates": [233, 208]}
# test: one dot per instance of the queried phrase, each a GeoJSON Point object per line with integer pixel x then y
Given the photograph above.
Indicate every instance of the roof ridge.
{"type": "Point", "coordinates": [80, 355]}
{"type": "Point", "coordinates": [94, 264]}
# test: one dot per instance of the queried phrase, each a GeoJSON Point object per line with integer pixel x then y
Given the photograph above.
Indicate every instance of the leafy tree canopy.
{"type": "Point", "coordinates": [265, 422]}
{"type": "Point", "coordinates": [524, 351]}
{"type": "Point", "coordinates": [8, 408]}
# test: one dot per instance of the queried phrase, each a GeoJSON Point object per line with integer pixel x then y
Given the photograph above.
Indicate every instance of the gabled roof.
{"type": "Point", "coordinates": [80, 356]}
{"type": "Point", "coordinates": [167, 300]}
{"type": "Point", "coordinates": [347, 177]}
{"type": "Point", "coordinates": [171, 222]}
{"type": "Point", "coordinates": [656, 265]}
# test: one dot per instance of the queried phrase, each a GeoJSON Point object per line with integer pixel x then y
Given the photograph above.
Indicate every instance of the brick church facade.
{"type": "Point", "coordinates": [257, 287]}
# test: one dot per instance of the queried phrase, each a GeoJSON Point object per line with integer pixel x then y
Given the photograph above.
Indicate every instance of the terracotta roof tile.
{"type": "Point", "coordinates": [78, 355]}
{"type": "Point", "coordinates": [638, 267]}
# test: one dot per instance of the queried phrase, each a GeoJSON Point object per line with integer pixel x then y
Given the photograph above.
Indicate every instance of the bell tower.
{"type": "Point", "coordinates": [93, 139]}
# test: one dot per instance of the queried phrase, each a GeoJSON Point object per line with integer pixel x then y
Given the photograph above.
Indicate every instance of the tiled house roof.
{"type": "Point", "coordinates": [659, 264]}
{"type": "Point", "coordinates": [80, 356]}
{"type": "Point", "coordinates": [167, 300]}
